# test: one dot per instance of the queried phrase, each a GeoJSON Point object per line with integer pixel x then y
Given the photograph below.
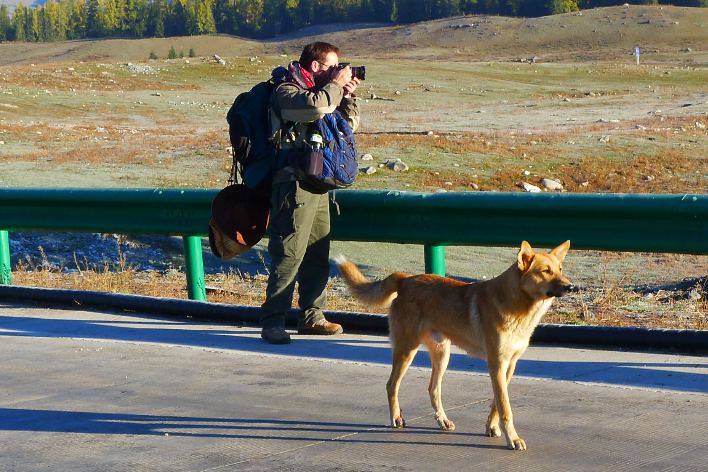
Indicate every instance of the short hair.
{"type": "Point", "coordinates": [316, 51]}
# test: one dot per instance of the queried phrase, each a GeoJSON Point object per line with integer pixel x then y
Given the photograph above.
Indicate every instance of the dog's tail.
{"type": "Point", "coordinates": [376, 293]}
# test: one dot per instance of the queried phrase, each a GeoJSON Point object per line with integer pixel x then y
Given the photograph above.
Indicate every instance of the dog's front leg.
{"type": "Point", "coordinates": [498, 373]}
{"type": "Point", "coordinates": [492, 427]}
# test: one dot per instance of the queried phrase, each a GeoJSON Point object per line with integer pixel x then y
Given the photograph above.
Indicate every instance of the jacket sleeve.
{"type": "Point", "coordinates": [303, 106]}
{"type": "Point", "coordinates": [349, 109]}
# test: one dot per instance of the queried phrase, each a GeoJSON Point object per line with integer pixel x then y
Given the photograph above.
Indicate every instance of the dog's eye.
{"type": "Point", "coordinates": [546, 270]}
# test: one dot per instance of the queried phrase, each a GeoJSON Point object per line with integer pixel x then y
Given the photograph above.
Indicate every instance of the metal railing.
{"type": "Point", "coordinates": [619, 222]}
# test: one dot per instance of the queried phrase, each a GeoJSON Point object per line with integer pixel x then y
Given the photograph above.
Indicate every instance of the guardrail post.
{"type": "Point", "coordinates": [434, 259]}
{"type": "Point", "coordinates": [5, 264]}
{"type": "Point", "coordinates": [194, 266]}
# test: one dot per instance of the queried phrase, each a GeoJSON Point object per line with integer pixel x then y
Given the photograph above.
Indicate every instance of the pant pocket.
{"type": "Point", "coordinates": [283, 205]}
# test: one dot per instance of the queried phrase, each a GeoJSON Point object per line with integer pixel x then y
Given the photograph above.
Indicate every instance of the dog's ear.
{"type": "Point", "coordinates": [525, 256]}
{"type": "Point", "coordinates": [561, 250]}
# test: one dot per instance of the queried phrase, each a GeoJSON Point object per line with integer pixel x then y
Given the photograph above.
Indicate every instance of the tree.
{"type": "Point", "coordinates": [74, 12]}
{"type": "Point", "coordinates": [172, 54]}
{"type": "Point", "coordinates": [6, 28]}
{"type": "Point", "coordinates": [156, 19]}
{"type": "Point", "coordinates": [94, 25]}
{"type": "Point", "coordinates": [19, 20]}
{"type": "Point", "coordinates": [205, 17]}
{"type": "Point", "coordinates": [562, 6]}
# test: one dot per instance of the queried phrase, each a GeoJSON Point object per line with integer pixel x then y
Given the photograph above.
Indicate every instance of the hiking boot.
{"type": "Point", "coordinates": [321, 326]}
{"type": "Point", "coordinates": [275, 335]}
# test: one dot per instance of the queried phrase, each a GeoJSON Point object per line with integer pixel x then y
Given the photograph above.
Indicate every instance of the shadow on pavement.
{"type": "Point", "coordinates": [687, 377]}
{"type": "Point", "coordinates": [57, 421]}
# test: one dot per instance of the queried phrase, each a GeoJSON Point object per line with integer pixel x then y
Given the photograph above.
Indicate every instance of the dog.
{"type": "Point", "coordinates": [492, 319]}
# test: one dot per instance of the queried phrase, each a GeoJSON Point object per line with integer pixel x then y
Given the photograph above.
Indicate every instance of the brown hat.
{"type": "Point", "coordinates": [239, 217]}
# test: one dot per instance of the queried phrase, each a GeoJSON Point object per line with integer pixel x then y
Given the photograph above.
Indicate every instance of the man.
{"type": "Point", "coordinates": [299, 220]}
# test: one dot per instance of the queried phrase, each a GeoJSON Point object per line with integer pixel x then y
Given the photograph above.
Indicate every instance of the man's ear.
{"type": "Point", "coordinates": [525, 256]}
{"type": "Point", "coordinates": [561, 250]}
{"type": "Point", "coordinates": [314, 66]}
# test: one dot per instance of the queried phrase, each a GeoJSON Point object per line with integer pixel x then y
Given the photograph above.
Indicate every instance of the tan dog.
{"type": "Point", "coordinates": [492, 320]}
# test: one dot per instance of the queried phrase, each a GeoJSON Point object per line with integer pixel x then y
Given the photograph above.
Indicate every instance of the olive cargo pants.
{"type": "Point", "coordinates": [299, 249]}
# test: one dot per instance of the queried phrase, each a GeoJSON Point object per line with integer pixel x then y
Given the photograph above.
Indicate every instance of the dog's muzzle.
{"type": "Point", "coordinates": [561, 289]}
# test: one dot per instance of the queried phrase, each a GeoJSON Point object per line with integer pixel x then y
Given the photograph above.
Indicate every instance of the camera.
{"type": "Point", "coordinates": [357, 71]}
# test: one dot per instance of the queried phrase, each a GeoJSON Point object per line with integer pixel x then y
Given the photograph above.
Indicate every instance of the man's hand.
{"type": "Point", "coordinates": [342, 76]}
{"type": "Point", "coordinates": [350, 86]}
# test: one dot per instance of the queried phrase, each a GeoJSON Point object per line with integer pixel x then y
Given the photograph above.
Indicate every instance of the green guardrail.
{"type": "Point", "coordinates": [619, 222]}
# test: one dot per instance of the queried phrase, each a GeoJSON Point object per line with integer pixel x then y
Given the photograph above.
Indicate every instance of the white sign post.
{"type": "Point", "coordinates": [636, 53]}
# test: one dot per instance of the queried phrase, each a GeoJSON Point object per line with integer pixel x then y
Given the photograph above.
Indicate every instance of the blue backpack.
{"type": "Point", "coordinates": [328, 162]}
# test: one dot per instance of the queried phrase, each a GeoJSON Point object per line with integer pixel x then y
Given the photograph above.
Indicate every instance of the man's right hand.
{"type": "Point", "coordinates": [342, 76]}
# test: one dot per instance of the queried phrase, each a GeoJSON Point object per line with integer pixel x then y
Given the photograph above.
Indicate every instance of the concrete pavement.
{"type": "Point", "coordinates": [87, 390]}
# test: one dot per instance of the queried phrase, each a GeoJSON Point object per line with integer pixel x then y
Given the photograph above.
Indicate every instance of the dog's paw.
{"type": "Point", "coordinates": [445, 424]}
{"type": "Point", "coordinates": [398, 422]}
{"type": "Point", "coordinates": [493, 431]}
{"type": "Point", "coordinates": [518, 444]}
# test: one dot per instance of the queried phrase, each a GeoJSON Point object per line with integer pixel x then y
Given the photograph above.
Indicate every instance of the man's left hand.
{"type": "Point", "coordinates": [351, 86]}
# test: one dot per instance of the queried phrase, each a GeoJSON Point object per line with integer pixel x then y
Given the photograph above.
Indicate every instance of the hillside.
{"type": "Point", "coordinates": [665, 34]}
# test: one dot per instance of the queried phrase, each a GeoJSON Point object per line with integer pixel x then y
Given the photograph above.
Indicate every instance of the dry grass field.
{"type": "Point", "coordinates": [459, 100]}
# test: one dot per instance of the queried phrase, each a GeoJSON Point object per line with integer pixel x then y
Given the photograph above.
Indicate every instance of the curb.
{"type": "Point", "coordinates": [694, 341]}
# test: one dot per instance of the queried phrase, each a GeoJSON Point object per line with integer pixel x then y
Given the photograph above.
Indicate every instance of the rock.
{"type": "Point", "coordinates": [218, 59]}
{"type": "Point", "coordinates": [527, 173]}
{"type": "Point", "coordinates": [397, 165]}
{"type": "Point", "coordinates": [700, 125]}
{"type": "Point", "coordinates": [529, 187]}
{"type": "Point", "coordinates": [604, 139]}
{"type": "Point", "coordinates": [367, 157]}
{"type": "Point", "coordinates": [640, 127]}
{"type": "Point", "coordinates": [398, 92]}
{"type": "Point", "coordinates": [440, 190]}
{"type": "Point", "coordinates": [447, 184]}
{"type": "Point", "coordinates": [368, 170]}
{"type": "Point", "coordinates": [694, 295]}
{"type": "Point", "coordinates": [584, 184]}
{"type": "Point", "coordinates": [649, 178]}
{"type": "Point", "coordinates": [686, 49]}
{"type": "Point", "coordinates": [474, 186]}
{"type": "Point", "coordinates": [552, 184]}
{"type": "Point", "coordinates": [430, 133]}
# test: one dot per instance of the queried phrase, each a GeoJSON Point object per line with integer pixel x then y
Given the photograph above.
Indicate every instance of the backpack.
{"type": "Point", "coordinates": [253, 152]}
{"type": "Point", "coordinates": [329, 160]}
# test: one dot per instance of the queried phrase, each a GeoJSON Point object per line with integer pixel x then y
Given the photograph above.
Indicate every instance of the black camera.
{"type": "Point", "coordinates": [357, 71]}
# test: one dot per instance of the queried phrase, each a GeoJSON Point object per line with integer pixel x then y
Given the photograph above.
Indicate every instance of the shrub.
{"type": "Point", "coordinates": [172, 54]}
{"type": "Point", "coordinates": [191, 52]}
{"type": "Point", "coordinates": [152, 55]}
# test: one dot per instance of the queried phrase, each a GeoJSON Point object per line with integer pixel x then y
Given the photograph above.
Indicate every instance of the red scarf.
{"type": "Point", "coordinates": [301, 76]}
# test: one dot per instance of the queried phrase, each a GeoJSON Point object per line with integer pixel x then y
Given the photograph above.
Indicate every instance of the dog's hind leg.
{"type": "Point", "coordinates": [439, 359]}
{"type": "Point", "coordinates": [403, 355]}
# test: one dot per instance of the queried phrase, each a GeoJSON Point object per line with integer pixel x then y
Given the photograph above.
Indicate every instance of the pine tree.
{"type": "Point", "coordinates": [156, 20]}
{"type": "Point", "coordinates": [94, 25]}
{"type": "Point", "coordinates": [5, 24]}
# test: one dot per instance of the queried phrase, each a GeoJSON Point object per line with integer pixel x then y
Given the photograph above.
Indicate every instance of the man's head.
{"type": "Point", "coordinates": [320, 59]}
